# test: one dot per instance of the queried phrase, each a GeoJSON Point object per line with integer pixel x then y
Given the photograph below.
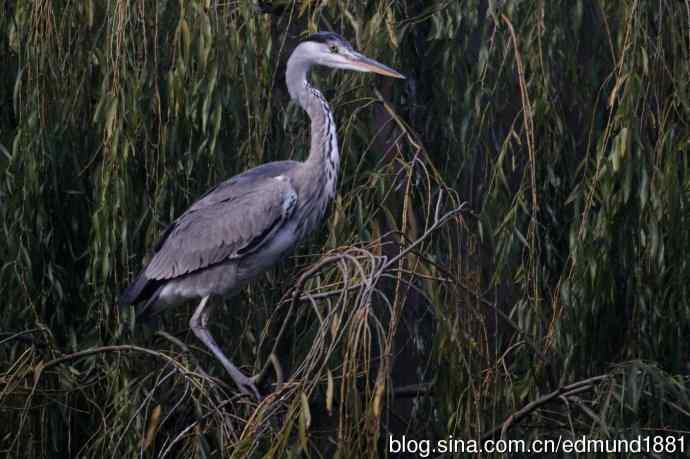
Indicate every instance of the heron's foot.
{"type": "Point", "coordinates": [246, 385]}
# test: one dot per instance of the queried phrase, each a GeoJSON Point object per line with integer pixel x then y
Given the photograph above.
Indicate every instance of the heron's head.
{"type": "Point", "coordinates": [331, 50]}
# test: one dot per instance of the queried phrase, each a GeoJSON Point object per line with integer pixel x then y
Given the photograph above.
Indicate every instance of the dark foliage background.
{"type": "Point", "coordinates": [555, 302]}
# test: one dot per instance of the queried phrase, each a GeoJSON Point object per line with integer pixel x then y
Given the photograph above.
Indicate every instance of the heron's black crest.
{"type": "Point", "coordinates": [328, 38]}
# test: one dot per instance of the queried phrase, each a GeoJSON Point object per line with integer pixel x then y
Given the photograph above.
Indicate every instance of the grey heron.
{"type": "Point", "coordinates": [246, 224]}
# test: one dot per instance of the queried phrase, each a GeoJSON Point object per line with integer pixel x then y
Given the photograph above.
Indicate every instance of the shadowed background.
{"type": "Point", "coordinates": [559, 294]}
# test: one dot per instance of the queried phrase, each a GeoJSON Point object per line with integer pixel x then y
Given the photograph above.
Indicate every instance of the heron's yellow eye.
{"type": "Point", "coordinates": [334, 49]}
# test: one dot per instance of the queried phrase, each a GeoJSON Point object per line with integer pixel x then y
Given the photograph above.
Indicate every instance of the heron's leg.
{"type": "Point", "coordinates": [198, 323]}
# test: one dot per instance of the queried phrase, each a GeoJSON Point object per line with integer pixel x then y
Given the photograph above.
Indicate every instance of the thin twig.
{"type": "Point", "coordinates": [565, 391]}
{"type": "Point", "coordinates": [20, 334]}
{"type": "Point", "coordinates": [413, 390]}
{"type": "Point", "coordinates": [104, 349]}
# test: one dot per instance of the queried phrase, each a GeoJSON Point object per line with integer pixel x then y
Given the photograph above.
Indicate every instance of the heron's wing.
{"type": "Point", "coordinates": [239, 183]}
{"type": "Point", "coordinates": [234, 220]}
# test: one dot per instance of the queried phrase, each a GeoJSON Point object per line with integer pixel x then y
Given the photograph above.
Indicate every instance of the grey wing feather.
{"type": "Point", "coordinates": [240, 183]}
{"type": "Point", "coordinates": [232, 220]}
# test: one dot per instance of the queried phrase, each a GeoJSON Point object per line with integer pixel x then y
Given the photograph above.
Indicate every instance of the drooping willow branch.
{"type": "Point", "coordinates": [102, 349]}
{"type": "Point", "coordinates": [388, 263]}
{"type": "Point", "coordinates": [366, 282]}
{"type": "Point", "coordinates": [564, 391]}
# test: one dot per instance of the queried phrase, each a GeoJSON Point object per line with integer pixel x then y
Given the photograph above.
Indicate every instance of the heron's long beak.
{"type": "Point", "coordinates": [365, 64]}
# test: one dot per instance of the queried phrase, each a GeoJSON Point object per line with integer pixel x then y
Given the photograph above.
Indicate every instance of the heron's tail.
{"type": "Point", "coordinates": [141, 289]}
{"type": "Point", "coordinates": [144, 291]}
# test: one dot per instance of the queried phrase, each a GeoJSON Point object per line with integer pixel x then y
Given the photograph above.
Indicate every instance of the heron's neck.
{"type": "Point", "coordinates": [324, 157]}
